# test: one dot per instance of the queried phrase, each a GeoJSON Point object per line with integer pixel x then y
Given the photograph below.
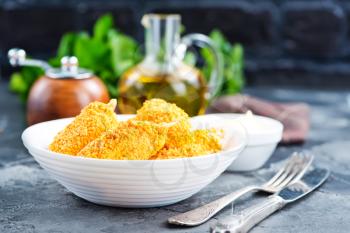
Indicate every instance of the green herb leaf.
{"type": "Point", "coordinates": [21, 82]}
{"type": "Point", "coordinates": [17, 83]}
{"type": "Point", "coordinates": [233, 63]}
{"type": "Point", "coordinates": [91, 53]}
{"type": "Point", "coordinates": [66, 45]}
{"type": "Point", "coordinates": [190, 59]}
{"type": "Point", "coordinates": [124, 52]}
{"type": "Point", "coordinates": [102, 27]}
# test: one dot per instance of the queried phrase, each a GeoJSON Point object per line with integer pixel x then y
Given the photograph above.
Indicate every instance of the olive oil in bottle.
{"type": "Point", "coordinates": [185, 87]}
{"type": "Point", "coordinates": [162, 73]}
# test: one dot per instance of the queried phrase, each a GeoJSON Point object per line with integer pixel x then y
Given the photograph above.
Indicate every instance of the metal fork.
{"type": "Point", "coordinates": [292, 171]}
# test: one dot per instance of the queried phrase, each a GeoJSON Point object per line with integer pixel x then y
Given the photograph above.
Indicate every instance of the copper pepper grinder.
{"type": "Point", "coordinates": [61, 92]}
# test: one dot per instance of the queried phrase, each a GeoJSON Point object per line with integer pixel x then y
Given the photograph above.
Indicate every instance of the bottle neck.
{"type": "Point", "coordinates": [162, 35]}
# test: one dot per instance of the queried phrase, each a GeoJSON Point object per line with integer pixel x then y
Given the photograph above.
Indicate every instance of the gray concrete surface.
{"type": "Point", "coordinates": [31, 201]}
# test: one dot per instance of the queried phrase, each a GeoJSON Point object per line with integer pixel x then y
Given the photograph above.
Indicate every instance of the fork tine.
{"type": "Point", "coordinates": [297, 172]}
{"type": "Point", "coordinates": [298, 168]}
{"type": "Point", "coordinates": [283, 169]}
{"type": "Point", "coordinates": [308, 159]}
{"type": "Point", "coordinates": [288, 171]}
{"type": "Point", "coordinates": [287, 179]}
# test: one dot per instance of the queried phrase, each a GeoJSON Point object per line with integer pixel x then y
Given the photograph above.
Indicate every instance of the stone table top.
{"type": "Point", "coordinates": [31, 201]}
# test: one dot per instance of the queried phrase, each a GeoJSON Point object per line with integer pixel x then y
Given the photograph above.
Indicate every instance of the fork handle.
{"type": "Point", "coordinates": [203, 213]}
{"type": "Point", "coordinates": [248, 218]}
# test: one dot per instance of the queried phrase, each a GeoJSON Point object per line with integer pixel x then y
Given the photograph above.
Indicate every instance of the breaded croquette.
{"type": "Point", "coordinates": [203, 142]}
{"type": "Point", "coordinates": [158, 110]}
{"type": "Point", "coordinates": [95, 119]}
{"type": "Point", "coordinates": [160, 130]}
{"type": "Point", "coordinates": [184, 151]}
{"type": "Point", "coordinates": [209, 139]}
{"type": "Point", "coordinates": [132, 140]}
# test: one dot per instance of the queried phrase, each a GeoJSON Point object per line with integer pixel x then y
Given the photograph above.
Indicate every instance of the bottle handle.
{"type": "Point", "coordinates": [203, 41]}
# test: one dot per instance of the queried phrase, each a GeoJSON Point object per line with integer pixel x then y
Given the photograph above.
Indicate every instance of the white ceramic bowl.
{"type": "Point", "coordinates": [129, 183]}
{"type": "Point", "coordinates": [260, 144]}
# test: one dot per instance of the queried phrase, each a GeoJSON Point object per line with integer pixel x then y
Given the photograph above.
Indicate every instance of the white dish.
{"type": "Point", "coordinates": [260, 144]}
{"type": "Point", "coordinates": [131, 183]}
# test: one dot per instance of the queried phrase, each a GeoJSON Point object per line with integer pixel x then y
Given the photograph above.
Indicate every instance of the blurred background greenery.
{"type": "Point", "coordinates": [108, 52]}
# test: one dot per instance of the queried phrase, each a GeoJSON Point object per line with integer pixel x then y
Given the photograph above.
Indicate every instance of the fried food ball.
{"type": "Point", "coordinates": [203, 142]}
{"type": "Point", "coordinates": [209, 139]}
{"type": "Point", "coordinates": [93, 120]}
{"type": "Point", "coordinates": [160, 111]}
{"type": "Point", "coordinates": [131, 140]}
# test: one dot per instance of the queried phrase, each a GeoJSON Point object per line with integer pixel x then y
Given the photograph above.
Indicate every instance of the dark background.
{"type": "Point", "coordinates": [288, 43]}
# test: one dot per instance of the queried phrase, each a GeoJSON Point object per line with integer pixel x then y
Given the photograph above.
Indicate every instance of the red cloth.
{"type": "Point", "coordinates": [295, 117]}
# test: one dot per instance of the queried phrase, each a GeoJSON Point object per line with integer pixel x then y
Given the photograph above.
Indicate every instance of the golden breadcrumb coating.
{"type": "Point", "coordinates": [95, 119]}
{"type": "Point", "coordinates": [158, 111]}
{"type": "Point", "coordinates": [209, 139]}
{"type": "Point", "coordinates": [131, 140]}
{"type": "Point", "coordinates": [179, 134]}
{"type": "Point", "coordinates": [203, 142]}
{"type": "Point", "coordinates": [160, 130]}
